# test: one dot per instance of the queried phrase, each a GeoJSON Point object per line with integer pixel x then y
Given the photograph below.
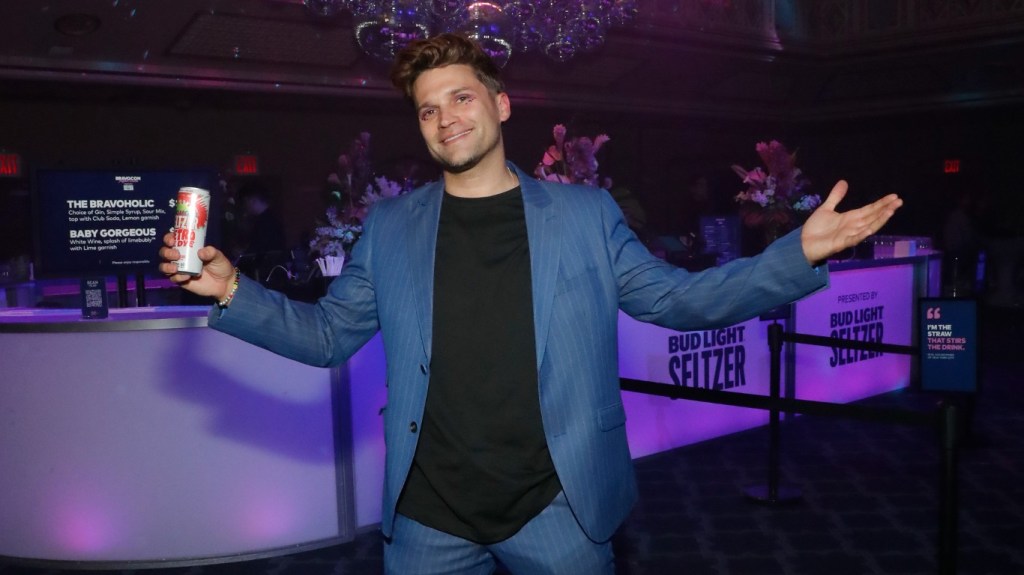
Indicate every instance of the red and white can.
{"type": "Point", "coordinates": [191, 216]}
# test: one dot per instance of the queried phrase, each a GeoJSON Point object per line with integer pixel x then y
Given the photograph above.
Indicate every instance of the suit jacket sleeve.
{"type": "Point", "coordinates": [323, 334]}
{"type": "Point", "coordinates": [654, 291]}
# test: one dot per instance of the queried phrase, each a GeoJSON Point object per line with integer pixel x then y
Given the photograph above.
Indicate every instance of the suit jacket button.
{"type": "Point", "coordinates": [412, 427]}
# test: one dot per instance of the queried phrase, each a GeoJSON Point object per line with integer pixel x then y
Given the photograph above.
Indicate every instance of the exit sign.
{"type": "Point", "coordinates": [951, 166]}
{"type": "Point", "coordinates": [10, 165]}
{"type": "Point", "coordinates": [247, 165]}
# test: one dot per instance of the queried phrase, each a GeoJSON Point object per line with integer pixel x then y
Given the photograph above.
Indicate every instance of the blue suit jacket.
{"type": "Point", "coordinates": [586, 265]}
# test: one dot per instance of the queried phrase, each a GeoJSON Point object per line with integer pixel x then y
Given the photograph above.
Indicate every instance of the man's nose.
{"type": "Point", "coordinates": [445, 117]}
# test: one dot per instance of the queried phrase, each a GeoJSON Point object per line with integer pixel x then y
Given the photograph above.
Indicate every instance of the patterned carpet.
{"type": "Point", "coordinates": [869, 504]}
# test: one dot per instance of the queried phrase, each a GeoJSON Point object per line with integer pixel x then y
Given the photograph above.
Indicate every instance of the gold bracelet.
{"type": "Point", "coordinates": [231, 294]}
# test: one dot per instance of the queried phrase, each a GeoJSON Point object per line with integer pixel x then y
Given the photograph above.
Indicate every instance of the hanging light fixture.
{"type": "Point", "coordinates": [560, 29]}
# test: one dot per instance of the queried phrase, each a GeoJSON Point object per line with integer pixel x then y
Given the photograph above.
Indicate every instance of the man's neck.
{"type": "Point", "coordinates": [481, 181]}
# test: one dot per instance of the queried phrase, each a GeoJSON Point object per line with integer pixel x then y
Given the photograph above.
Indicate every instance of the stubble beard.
{"type": "Point", "coordinates": [469, 163]}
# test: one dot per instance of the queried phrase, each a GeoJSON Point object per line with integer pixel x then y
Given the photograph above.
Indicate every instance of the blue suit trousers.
{"type": "Point", "coordinates": [552, 543]}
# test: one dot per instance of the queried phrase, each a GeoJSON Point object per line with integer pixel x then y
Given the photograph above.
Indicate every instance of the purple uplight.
{"type": "Point", "coordinates": [84, 525]}
{"type": "Point", "coordinates": [268, 513]}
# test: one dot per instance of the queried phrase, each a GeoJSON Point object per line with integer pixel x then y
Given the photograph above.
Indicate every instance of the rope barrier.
{"type": "Point", "coordinates": [945, 417]}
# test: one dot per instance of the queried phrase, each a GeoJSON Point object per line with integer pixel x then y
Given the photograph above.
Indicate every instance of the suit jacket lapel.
{"type": "Point", "coordinates": [422, 238]}
{"type": "Point", "coordinates": [544, 237]}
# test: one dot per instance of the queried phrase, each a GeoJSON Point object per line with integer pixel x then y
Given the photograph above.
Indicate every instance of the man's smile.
{"type": "Point", "coordinates": [454, 137]}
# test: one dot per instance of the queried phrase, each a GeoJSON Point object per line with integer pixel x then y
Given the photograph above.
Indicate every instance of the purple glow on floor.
{"type": "Point", "coordinates": [268, 513]}
{"type": "Point", "coordinates": [83, 524]}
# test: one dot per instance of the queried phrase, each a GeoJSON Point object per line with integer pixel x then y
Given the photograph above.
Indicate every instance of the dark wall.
{"type": "Point", "coordinates": [907, 154]}
{"type": "Point", "coordinates": [298, 139]}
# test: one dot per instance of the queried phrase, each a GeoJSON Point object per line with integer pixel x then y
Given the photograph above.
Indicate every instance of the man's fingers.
{"type": "Point", "coordinates": [170, 270]}
{"type": "Point", "coordinates": [880, 211]}
{"type": "Point", "coordinates": [836, 195]}
{"type": "Point", "coordinates": [170, 254]}
{"type": "Point", "coordinates": [892, 203]}
{"type": "Point", "coordinates": [207, 253]}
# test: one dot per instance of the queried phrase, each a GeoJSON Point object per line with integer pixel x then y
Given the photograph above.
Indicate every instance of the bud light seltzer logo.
{"type": "Point", "coordinates": [712, 359]}
{"type": "Point", "coordinates": [860, 324]}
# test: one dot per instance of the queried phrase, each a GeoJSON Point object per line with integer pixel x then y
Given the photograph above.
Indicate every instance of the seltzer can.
{"type": "Point", "coordinates": [191, 216]}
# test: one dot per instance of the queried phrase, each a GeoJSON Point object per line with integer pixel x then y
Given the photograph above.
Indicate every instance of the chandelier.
{"type": "Point", "coordinates": [560, 29]}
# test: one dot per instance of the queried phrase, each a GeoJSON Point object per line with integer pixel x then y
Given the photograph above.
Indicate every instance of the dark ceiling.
{"type": "Point", "coordinates": [781, 60]}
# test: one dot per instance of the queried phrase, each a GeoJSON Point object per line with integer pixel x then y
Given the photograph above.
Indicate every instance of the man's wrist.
{"type": "Point", "coordinates": [232, 289]}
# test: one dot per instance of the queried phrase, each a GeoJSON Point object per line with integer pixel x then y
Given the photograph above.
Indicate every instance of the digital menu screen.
{"type": "Point", "coordinates": [91, 222]}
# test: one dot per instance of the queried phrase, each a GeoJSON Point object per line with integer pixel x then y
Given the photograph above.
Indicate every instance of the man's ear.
{"type": "Point", "coordinates": [504, 106]}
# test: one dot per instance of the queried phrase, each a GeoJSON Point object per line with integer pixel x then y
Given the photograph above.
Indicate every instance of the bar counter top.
{"type": "Point", "coordinates": [37, 320]}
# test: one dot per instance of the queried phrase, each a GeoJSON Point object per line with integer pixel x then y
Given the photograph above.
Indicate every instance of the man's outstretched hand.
{"type": "Point", "coordinates": [216, 278]}
{"type": "Point", "coordinates": [828, 232]}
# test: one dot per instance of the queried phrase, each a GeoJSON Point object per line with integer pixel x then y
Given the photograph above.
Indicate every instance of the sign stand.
{"type": "Point", "coordinates": [948, 332]}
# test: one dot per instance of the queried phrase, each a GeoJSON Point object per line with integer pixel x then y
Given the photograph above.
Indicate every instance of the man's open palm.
{"type": "Point", "coordinates": [828, 231]}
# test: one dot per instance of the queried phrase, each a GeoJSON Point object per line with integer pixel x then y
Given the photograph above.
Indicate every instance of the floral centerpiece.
{"type": "Point", "coordinates": [572, 161]}
{"type": "Point", "coordinates": [353, 189]}
{"type": "Point", "coordinates": [775, 200]}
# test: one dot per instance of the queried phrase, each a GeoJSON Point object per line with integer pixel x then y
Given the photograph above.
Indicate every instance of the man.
{"type": "Point", "coordinates": [500, 294]}
{"type": "Point", "coordinates": [264, 241]}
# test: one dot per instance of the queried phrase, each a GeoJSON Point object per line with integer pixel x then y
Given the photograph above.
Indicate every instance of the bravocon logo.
{"type": "Point", "coordinates": [128, 182]}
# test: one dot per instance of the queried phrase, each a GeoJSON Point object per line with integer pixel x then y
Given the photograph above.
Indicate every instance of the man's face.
{"type": "Point", "coordinates": [252, 205]}
{"type": "Point", "coordinates": [459, 119]}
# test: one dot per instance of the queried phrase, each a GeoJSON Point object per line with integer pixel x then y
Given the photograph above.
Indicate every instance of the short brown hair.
{"type": "Point", "coordinates": [439, 51]}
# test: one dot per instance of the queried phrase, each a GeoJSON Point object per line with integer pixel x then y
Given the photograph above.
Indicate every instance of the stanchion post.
{"type": "Point", "coordinates": [122, 290]}
{"type": "Point", "coordinates": [140, 289]}
{"type": "Point", "coordinates": [775, 391]}
{"type": "Point", "coordinates": [948, 489]}
{"type": "Point", "coordinates": [773, 493]}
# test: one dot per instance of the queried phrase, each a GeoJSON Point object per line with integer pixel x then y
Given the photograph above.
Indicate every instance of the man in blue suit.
{"type": "Point", "coordinates": [497, 296]}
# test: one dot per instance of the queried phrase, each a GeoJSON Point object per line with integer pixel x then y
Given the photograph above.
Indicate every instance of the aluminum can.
{"type": "Point", "coordinates": [191, 217]}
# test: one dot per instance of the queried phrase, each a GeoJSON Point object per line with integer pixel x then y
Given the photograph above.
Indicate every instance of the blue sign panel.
{"type": "Point", "coordinates": [948, 332]}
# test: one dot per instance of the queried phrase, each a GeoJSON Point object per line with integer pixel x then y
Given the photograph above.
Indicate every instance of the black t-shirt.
{"type": "Point", "coordinates": [482, 467]}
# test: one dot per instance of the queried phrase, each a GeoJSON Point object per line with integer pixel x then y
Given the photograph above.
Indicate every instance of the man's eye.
{"type": "Point", "coordinates": [424, 115]}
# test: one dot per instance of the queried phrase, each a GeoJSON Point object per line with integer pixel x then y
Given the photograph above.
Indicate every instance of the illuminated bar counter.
{"type": "Point", "coordinates": [147, 438]}
{"type": "Point", "coordinates": [865, 298]}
